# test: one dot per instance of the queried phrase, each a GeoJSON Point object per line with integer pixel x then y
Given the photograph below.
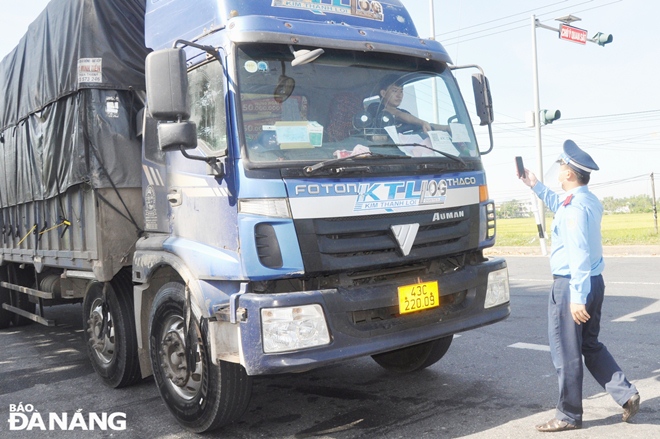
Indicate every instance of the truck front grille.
{"type": "Point", "coordinates": [356, 243]}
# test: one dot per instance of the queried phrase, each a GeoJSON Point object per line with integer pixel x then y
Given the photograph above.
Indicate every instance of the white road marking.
{"type": "Point", "coordinates": [607, 282]}
{"type": "Point", "coordinates": [651, 309]}
{"type": "Point", "coordinates": [535, 347]}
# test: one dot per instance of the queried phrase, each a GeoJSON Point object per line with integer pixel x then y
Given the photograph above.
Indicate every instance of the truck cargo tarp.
{"type": "Point", "coordinates": [69, 94]}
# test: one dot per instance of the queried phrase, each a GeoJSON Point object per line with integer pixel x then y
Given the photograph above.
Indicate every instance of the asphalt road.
{"type": "Point", "coordinates": [495, 382]}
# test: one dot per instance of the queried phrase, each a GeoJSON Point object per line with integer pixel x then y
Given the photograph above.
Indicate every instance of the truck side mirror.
{"type": "Point", "coordinates": [482, 99]}
{"type": "Point", "coordinates": [167, 98]}
{"type": "Point", "coordinates": [167, 85]}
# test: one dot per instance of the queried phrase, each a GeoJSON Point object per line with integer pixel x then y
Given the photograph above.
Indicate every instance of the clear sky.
{"type": "Point", "coordinates": [608, 96]}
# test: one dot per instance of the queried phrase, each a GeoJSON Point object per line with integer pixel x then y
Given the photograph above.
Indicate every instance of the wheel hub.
{"type": "Point", "coordinates": [174, 358]}
{"type": "Point", "coordinates": [174, 362]}
{"type": "Point", "coordinates": [101, 332]}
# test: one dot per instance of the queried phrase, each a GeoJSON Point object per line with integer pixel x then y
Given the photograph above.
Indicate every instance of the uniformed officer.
{"type": "Point", "coordinates": [576, 298]}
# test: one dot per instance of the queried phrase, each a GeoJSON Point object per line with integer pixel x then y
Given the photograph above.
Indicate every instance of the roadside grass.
{"type": "Point", "coordinates": [617, 229]}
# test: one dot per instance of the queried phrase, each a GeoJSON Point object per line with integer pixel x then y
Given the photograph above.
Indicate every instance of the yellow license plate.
{"type": "Point", "coordinates": [418, 297]}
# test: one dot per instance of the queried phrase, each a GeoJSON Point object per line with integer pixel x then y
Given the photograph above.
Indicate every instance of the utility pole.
{"type": "Point", "coordinates": [432, 16]}
{"type": "Point", "coordinates": [540, 210]}
{"type": "Point", "coordinates": [655, 206]}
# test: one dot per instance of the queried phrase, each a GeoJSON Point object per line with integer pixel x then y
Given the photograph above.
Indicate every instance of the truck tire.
{"type": "Point", "coordinates": [414, 358]}
{"type": "Point", "coordinates": [202, 396]}
{"type": "Point", "coordinates": [110, 331]}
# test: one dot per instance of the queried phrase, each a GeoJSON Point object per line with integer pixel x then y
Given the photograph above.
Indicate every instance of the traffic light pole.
{"type": "Point", "coordinates": [540, 220]}
{"type": "Point", "coordinates": [573, 34]}
{"type": "Point", "coordinates": [655, 206]}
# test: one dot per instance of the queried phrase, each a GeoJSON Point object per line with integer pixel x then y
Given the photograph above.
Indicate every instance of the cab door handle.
{"type": "Point", "coordinates": [174, 197]}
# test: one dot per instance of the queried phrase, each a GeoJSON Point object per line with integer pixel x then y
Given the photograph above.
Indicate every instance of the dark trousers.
{"type": "Point", "coordinates": [570, 341]}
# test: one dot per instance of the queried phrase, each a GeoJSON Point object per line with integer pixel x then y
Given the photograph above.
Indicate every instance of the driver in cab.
{"type": "Point", "coordinates": [391, 94]}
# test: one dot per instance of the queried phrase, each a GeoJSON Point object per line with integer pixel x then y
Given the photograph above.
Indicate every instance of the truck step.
{"type": "Point", "coordinates": [29, 315]}
{"type": "Point", "coordinates": [28, 291]}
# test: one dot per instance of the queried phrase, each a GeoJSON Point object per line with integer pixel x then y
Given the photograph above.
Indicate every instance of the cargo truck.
{"type": "Point", "coordinates": [228, 189]}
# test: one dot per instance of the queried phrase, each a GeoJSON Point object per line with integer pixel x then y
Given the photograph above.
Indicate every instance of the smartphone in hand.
{"type": "Point", "coordinates": [520, 167]}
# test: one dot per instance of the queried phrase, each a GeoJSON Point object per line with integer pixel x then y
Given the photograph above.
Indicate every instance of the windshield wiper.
{"type": "Point", "coordinates": [309, 170]}
{"type": "Point", "coordinates": [446, 154]}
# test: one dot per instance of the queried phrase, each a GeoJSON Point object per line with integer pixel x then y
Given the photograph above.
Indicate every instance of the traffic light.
{"type": "Point", "coordinates": [549, 116]}
{"type": "Point", "coordinates": [602, 39]}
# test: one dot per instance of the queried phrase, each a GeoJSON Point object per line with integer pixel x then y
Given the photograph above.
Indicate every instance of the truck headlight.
{"type": "Point", "coordinates": [497, 291]}
{"type": "Point", "coordinates": [271, 207]}
{"type": "Point", "coordinates": [298, 327]}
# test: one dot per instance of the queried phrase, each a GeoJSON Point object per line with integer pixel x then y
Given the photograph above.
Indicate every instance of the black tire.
{"type": "Point", "coordinates": [201, 396]}
{"type": "Point", "coordinates": [414, 358]}
{"type": "Point", "coordinates": [110, 331]}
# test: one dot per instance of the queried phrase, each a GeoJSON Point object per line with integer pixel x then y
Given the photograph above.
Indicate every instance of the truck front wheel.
{"type": "Point", "coordinates": [202, 396]}
{"type": "Point", "coordinates": [414, 358]}
{"type": "Point", "coordinates": [110, 331]}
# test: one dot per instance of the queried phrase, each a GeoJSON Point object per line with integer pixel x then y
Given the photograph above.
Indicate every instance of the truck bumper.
{"type": "Point", "coordinates": [364, 320]}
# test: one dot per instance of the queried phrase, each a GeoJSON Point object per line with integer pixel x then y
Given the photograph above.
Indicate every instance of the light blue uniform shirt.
{"type": "Point", "coordinates": [577, 249]}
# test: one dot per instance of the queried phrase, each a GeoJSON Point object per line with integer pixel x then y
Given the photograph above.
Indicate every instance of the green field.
{"type": "Point", "coordinates": [618, 229]}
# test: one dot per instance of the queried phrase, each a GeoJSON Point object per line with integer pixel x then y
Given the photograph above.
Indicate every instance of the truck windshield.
{"type": "Point", "coordinates": [347, 103]}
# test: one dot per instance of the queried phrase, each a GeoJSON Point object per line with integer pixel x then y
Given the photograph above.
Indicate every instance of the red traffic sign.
{"type": "Point", "coordinates": [573, 34]}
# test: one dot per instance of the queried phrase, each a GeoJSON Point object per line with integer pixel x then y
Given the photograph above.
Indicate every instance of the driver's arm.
{"type": "Point", "coordinates": [406, 117]}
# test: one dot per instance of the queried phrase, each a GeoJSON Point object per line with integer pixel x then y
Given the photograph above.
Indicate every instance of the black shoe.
{"type": "Point", "coordinates": [631, 408]}
{"type": "Point", "coordinates": [556, 425]}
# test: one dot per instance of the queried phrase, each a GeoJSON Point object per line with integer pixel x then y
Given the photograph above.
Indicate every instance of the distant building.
{"type": "Point", "coordinates": [514, 209]}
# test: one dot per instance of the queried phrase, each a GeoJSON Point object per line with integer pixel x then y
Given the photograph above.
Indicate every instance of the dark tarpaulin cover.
{"type": "Point", "coordinates": [69, 94]}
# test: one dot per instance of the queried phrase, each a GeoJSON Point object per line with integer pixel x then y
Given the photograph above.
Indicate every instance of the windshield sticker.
{"type": "Point", "coordinates": [459, 133]}
{"type": "Point", "coordinates": [442, 142]}
{"type": "Point", "coordinates": [372, 10]}
{"type": "Point", "coordinates": [251, 66]}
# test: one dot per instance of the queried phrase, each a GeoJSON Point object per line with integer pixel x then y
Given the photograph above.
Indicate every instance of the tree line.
{"type": "Point", "coordinates": [611, 205]}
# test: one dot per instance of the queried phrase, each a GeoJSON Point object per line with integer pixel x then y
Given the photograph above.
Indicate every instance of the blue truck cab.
{"type": "Point", "coordinates": [292, 206]}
